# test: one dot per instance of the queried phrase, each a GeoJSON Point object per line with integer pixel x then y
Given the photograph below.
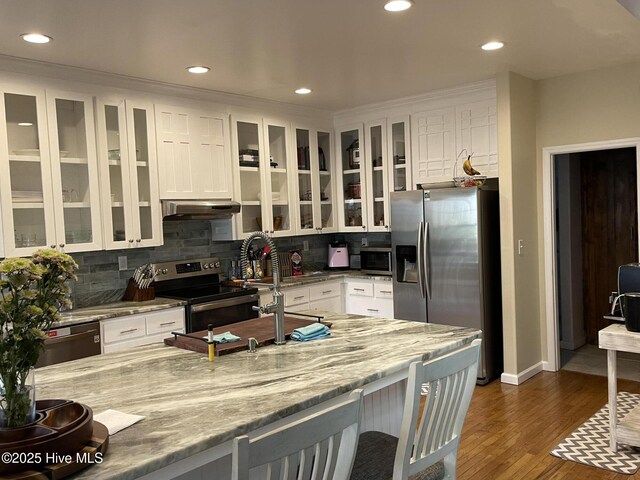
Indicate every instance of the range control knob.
{"type": "Point", "coordinates": [164, 271]}
{"type": "Point", "coordinates": [205, 266]}
{"type": "Point", "coordinates": [217, 264]}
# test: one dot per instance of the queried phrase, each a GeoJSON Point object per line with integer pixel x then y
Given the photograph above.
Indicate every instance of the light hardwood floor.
{"type": "Point", "coordinates": [510, 430]}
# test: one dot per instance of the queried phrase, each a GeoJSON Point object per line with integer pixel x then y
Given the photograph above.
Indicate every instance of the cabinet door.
{"type": "Point", "coordinates": [113, 158]}
{"type": "Point", "coordinates": [351, 187]}
{"type": "Point", "coordinates": [326, 214]}
{"type": "Point", "coordinates": [143, 174]}
{"type": "Point", "coordinates": [399, 152]}
{"type": "Point", "coordinates": [279, 173]}
{"type": "Point", "coordinates": [314, 152]}
{"type": "Point", "coordinates": [477, 132]}
{"type": "Point", "coordinates": [248, 156]}
{"type": "Point", "coordinates": [308, 195]}
{"type": "Point", "coordinates": [376, 171]}
{"type": "Point", "coordinates": [25, 172]}
{"type": "Point", "coordinates": [74, 171]}
{"type": "Point", "coordinates": [433, 139]}
{"type": "Point", "coordinates": [193, 162]}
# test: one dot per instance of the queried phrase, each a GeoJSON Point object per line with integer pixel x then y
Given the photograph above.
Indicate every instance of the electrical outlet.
{"type": "Point", "coordinates": [122, 262]}
{"type": "Point", "coordinates": [365, 242]}
{"type": "Point", "coordinates": [305, 245]}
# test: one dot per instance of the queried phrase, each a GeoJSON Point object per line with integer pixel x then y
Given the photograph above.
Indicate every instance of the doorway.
{"type": "Point", "coordinates": [591, 222]}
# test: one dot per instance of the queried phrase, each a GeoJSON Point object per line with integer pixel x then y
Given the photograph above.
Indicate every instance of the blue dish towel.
{"type": "Point", "coordinates": [310, 332]}
{"type": "Point", "coordinates": [226, 337]}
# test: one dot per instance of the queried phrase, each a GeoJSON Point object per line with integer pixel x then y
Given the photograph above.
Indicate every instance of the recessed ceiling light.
{"type": "Point", "coordinates": [303, 90]}
{"type": "Point", "coordinates": [198, 69]}
{"type": "Point", "coordinates": [36, 38]}
{"type": "Point", "coordinates": [25, 124]}
{"type": "Point", "coordinates": [492, 46]}
{"type": "Point", "coordinates": [398, 5]}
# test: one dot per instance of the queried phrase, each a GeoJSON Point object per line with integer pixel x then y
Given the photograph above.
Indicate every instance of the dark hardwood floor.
{"type": "Point", "coordinates": [509, 431]}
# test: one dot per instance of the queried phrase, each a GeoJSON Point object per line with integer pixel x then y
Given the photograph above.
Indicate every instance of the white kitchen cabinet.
{"type": "Point", "coordinates": [265, 175]}
{"type": "Point", "coordinates": [128, 173]}
{"type": "Point", "coordinates": [296, 299]}
{"type": "Point", "coordinates": [433, 138]}
{"type": "Point", "coordinates": [326, 296]}
{"type": "Point", "coordinates": [376, 168]}
{"type": "Point", "coordinates": [315, 186]}
{"type": "Point", "coordinates": [48, 171]}
{"type": "Point", "coordinates": [352, 212]}
{"type": "Point", "coordinates": [399, 153]}
{"type": "Point", "coordinates": [193, 157]}
{"type": "Point", "coordinates": [439, 136]}
{"type": "Point", "coordinates": [373, 298]}
{"type": "Point", "coordinates": [142, 329]}
{"type": "Point", "coordinates": [477, 132]}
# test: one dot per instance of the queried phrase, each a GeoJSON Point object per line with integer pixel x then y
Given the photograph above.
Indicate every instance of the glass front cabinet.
{"type": "Point", "coordinates": [261, 155]}
{"type": "Point", "coordinates": [351, 181]}
{"type": "Point", "coordinates": [128, 167]}
{"type": "Point", "coordinates": [316, 213]}
{"type": "Point", "coordinates": [48, 171]}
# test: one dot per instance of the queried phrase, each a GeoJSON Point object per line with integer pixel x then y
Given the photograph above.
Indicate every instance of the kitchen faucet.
{"type": "Point", "coordinates": [277, 306]}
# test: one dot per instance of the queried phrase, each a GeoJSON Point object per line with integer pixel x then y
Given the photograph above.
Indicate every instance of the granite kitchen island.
{"type": "Point", "coordinates": [193, 408]}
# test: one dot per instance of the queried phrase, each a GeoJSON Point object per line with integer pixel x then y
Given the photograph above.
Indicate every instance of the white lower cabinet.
{"type": "Point", "coordinates": [373, 298]}
{"type": "Point", "coordinates": [326, 296]}
{"type": "Point", "coordinates": [142, 329]}
{"type": "Point", "coordinates": [296, 299]}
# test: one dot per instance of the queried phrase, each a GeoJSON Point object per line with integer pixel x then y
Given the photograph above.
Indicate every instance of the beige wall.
{"type": "Point", "coordinates": [580, 108]}
{"type": "Point", "coordinates": [518, 211]}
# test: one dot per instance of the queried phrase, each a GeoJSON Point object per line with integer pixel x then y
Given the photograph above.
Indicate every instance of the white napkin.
{"type": "Point", "coordinates": [116, 421]}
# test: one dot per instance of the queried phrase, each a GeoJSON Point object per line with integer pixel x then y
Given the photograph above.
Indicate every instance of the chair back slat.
{"type": "Point", "coordinates": [319, 446]}
{"type": "Point", "coordinates": [448, 382]}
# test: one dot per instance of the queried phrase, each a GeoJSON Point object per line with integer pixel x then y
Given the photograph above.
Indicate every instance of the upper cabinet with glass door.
{"type": "Point", "coordinates": [377, 169]}
{"type": "Point", "coordinates": [399, 153]}
{"type": "Point", "coordinates": [352, 189]}
{"type": "Point", "coordinates": [74, 171]}
{"type": "Point", "coordinates": [315, 186]}
{"type": "Point", "coordinates": [264, 180]}
{"type": "Point", "coordinates": [279, 179]}
{"type": "Point", "coordinates": [128, 166]}
{"type": "Point", "coordinates": [49, 178]}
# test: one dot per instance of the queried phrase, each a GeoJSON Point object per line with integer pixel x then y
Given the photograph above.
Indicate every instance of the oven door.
{"type": "Point", "coordinates": [222, 312]}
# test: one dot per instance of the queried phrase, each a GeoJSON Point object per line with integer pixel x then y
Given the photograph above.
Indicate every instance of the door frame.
{"type": "Point", "coordinates": [549, 220]}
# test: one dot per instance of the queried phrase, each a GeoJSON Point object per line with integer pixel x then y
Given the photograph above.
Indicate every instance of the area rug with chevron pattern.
{"type": "Point", "coordinates": [589, 444]}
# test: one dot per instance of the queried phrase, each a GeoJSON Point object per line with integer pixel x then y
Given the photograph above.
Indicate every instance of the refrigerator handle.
{"type": "Point", "coordinates": [427, 259]}
{"type": "Point", "coordinates": [419, 260]}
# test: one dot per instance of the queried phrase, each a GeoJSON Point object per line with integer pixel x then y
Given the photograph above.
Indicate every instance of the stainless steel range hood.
{"type": "Point", "coordinates": [198, 209]}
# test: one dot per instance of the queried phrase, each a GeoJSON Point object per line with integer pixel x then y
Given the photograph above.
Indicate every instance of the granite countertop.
{"type": "Point", "coordinates": [113, 310]}
{"type": "Point", "coordinates": [325, 276]}
{"type": "Point", "coordinates": [192, 405]}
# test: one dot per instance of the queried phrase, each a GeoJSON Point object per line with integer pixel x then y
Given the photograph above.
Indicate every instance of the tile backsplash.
{"type": "Point", "coordinates": [100, 281]}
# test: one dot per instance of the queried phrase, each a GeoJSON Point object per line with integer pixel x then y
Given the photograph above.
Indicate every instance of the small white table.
{"type": "Point", "coordinates": [616, 338]}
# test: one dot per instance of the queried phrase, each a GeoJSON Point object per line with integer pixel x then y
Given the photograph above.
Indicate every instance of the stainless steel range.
{"type": "Point", "coordinates": [208, 301]}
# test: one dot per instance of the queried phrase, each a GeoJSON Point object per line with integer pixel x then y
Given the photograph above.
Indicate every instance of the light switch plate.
{"type": "Point", "coordinates": [305, 245]}
{"type": "Point", "coordinates": [122, 262]}
{"type": "Point", "coordinates": [365, 242]}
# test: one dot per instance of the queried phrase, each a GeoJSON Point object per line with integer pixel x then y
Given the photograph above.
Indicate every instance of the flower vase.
{"type": "Point", "coordinates": [17, 399]}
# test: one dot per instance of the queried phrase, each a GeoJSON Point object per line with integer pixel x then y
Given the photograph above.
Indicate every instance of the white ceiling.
{"type": "Point", "coordinates": [350, 52]}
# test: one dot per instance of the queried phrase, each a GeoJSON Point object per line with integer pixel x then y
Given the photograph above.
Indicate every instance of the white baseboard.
{"type": "Point", "coordinates": [546, 366]}
{"type": "Point", "coordinates": [522, 376]}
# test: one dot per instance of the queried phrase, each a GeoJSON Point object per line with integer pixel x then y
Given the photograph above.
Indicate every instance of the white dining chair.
{"type": "Point", "coordinates": [321, 446]}
{"type": "Point", "coordinates": [427, 447]}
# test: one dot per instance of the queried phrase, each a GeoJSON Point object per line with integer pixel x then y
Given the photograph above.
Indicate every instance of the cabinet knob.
{"type": "Point", "coordinates": [62, 245]}
{"type": "Point", "coordinates": [52, 246]}
{"type": "Point", "coordinates": [138, 240]}
{"type": "Point", "coordinates": [131, 240]}
{"type": "Point", "coordinates": [364, 227]}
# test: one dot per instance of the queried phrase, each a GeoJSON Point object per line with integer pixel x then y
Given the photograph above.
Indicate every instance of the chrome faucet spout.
{"type": "Point", "coordinates": [277, 306]}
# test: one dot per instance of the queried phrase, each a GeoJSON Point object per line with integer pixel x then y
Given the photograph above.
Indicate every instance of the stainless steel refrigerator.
{"type": "Point", "coordinates": [446, 257]}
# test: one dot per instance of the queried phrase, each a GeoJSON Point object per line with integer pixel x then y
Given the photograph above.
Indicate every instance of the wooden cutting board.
{"type": "Point", "coordinates": [262, 329]}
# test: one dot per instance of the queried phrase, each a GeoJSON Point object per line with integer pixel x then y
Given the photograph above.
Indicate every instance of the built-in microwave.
{"type": "Point", "coordinates": [375, 260]}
